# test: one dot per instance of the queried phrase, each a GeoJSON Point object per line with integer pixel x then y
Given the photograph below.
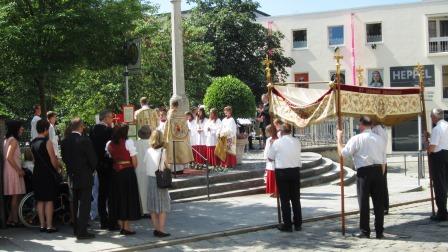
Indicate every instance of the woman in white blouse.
{"type": "Point", "coordinates": [159, 202]}
{"type": "Point", "coordinates": [211, 129]}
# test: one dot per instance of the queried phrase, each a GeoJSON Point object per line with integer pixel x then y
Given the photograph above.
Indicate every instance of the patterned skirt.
{"type": "Point", "coordinates": [158, 199]}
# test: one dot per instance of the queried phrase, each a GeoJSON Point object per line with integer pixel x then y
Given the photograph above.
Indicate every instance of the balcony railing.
{"type": "Point", "coordinates": [323, 134]}
{"type": "Point", "coordinates": [374, 38]}
{"type": "Point", "coordinates": [300, 44]}
{"type": "Point", "coordinates": [438, 45]}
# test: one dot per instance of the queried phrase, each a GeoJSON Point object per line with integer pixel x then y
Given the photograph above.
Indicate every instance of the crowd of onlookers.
{"type": "Point", "coordinates": [125, 169]}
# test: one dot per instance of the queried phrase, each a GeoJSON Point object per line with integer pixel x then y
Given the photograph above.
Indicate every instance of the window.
{"type": "Point", "coordinates": [445, 81]}
{"type": "Point", "coordinates": [374, 33]}
{"type": "Point", "coordinates": [299, 39]}
{"type": "Point", "coordinates": [438, 35]}
{"type": "Point", "coordinates": [336, 35]}
{"type": "Point", "coordinates": [405, 136]}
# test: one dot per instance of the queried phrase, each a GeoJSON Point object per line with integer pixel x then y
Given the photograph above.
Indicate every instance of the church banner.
{"type": "Point", "coordinates": [304, 107]}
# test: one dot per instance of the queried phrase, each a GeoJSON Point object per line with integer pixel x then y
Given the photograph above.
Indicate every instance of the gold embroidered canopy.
{"type": "Point", "coordinates": [304, 107]}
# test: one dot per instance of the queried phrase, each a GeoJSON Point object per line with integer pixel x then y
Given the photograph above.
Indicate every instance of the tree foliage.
{"type": "Point", "coordinates": [240, 44]}
{"type": "Point", "coordinates": [41, 39]}
{"type": "Point", "coordinates": [228, 90]}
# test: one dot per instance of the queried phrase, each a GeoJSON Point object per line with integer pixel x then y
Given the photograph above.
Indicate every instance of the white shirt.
{"type": "Point", "coordinates": [211, 129]}
{"type": "Point", "coordinates": [228, 128]}
{"type": "Point", "coordinates": [129, 145]}
{"type": "Point", "coordinates": [192, 128]}
{"type": "Point", "coordinates": [33, 126]}
{"type": "Point", "coordinates": [53, 139]}
{"type": "Point", "coordinates": [161, 126]}
{"type": "Point", "coordinates": [152, 160]}
{"type": "Point", "coordinates": [366, 149]}
{"type": "Point", "coordinates": [439, 136]}
{"type": "Point", "coordinates": [200, 131]}
{"type": "Point", "coordinates": [286, 152]}
{"type": "Point", "coordinates": [381, 131]}
{"type": "Point", "coordinates": [269, 164]}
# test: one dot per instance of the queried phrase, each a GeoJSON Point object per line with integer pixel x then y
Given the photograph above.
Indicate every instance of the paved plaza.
{"type": "Point", "coordinates": [407, 228]}
{"type": "Point", "coordinates": [205, 220]}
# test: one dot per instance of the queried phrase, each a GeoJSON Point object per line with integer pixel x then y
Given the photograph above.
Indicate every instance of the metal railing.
{"type": "Point", "coordinates": [323, 133]}
{"type": "Point", "coordinates": [421, 155]}
{"type": "Point", "coordinates": [207, 173]}
{"type": "Point", "coordinates": [438, 44]}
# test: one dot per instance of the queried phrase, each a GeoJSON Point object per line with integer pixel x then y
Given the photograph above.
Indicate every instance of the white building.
{"type": "Point", "coordinates": [390, 39]}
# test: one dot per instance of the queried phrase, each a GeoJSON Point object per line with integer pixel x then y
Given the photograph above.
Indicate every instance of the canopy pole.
{"type": "Point", "coordinates": [267, 62]}
{"type": "Point", "coordinates": [338, 57]}
{"type": "Point", "coordinates": [421, 71]}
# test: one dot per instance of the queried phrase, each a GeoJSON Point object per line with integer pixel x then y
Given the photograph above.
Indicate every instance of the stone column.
{"type": "Point", "coordinates": [178, 57]}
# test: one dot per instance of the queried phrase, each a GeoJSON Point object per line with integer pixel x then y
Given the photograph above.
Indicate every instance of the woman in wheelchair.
{"type": "Point", "coordinates": [46, 176]}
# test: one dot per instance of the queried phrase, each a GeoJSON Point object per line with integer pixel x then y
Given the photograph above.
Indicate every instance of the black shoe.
{"type": "Point", "coordinates": [127, 232]}
{"type": "Point", "coordinates": [42, 229]}
{"type": "Point", "coordinates": [85, 236]}
{"type": "Point", "coordinates": [297, 228]}
{"type": "Point", "coordinates": [438, 218]}
{"type": "Point", "coordinates": [156, 233]}
{"type": "Point", "coordinates": [361, 235]}
{"type": "Point", "coordinates": [161, 234]}
{"type": "Point", "coordinates": [386, 211]}
{"type": "Point", "coordinates": [52, 230]}
{"type": "Point", "coordinates": [379, 235]}
{"type": "Point", "coordinates": [284, 228]}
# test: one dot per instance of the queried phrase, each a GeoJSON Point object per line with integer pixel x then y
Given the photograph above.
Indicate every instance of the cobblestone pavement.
{"type": "Point", "coordinates": [407, 228]}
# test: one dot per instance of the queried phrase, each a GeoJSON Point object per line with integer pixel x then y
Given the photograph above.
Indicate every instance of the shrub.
{"type": "Point", "coordinates": [231, 91]}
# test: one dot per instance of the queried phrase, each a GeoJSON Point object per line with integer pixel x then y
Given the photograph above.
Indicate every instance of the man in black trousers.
{"type": "Point", "coordinates": [438, 154]}
{"type": "Point", "coordinates": [100, 134]}
{"type": "Point", "coordinates": [366, 149]}
{"type": "Point", "coordinates": [285, 152]}
{"type": "Point", "coordinates": [79, 156]}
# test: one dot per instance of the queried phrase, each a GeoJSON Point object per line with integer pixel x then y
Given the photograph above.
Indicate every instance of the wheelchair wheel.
{"type": "Point", "coordinates": [28, 212]}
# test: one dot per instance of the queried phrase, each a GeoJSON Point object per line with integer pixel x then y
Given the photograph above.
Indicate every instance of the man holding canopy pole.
{"type": "Point", "coordinates": [367, 152]}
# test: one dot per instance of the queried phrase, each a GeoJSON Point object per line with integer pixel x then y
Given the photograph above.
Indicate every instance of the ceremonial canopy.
{"type": "Point", "coordinates": [303, 106]}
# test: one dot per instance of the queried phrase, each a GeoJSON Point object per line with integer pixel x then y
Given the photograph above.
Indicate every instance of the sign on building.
{"type": "Point", "coordinates": [407, 76]}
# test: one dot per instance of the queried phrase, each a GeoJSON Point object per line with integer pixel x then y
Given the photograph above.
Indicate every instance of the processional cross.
{"type": "Point", "coordinates": [360, 72]}
{"type": "Point", "coordinates": [267, 62]}
{"type": "Point", "coordinates": [421, 74]}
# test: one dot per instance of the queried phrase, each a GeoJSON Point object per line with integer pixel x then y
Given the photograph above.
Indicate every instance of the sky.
{"type": "Point", "coordinates": [286, 7]}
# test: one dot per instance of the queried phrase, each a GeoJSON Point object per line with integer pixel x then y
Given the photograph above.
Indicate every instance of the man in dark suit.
{"type": "Point", "coordinates": [80, 157]}
{"type": "Point", "coordinates": [100, 134]}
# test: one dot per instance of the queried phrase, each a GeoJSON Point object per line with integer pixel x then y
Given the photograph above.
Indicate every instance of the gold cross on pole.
{"type": "Point", "coordinates": [421, 74]}
{"type": "Point", "coordinates": [360, 76]}
{"type": "Point", "coordinates": [338, 57]}
{"type": "Point", "coordinates": [267, 62]}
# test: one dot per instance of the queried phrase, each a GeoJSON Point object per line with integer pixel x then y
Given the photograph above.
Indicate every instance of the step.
{"type": "Point", "coordinates": [216, 188]}
{"type": "Point", "coordinates": [231, 175]}
{"type": "Point", "coordinates": [324, 167]}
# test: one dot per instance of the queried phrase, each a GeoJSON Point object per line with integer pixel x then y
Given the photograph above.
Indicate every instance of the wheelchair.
{"type": "Point", "coordinates": [28, 215]}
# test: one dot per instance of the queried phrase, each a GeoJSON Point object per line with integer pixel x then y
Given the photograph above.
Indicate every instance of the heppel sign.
{"type": "Point", "coordinates": [407, 76]}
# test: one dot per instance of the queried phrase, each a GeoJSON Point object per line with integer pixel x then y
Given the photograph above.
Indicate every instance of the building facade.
{"type": "Point", "coordinates": [385, 41]}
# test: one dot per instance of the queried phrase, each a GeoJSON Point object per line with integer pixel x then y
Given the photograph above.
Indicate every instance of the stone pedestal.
{"type": "Point", "coordinates": [240, 146]}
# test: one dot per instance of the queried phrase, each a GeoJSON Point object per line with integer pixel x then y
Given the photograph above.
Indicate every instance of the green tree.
{"type": "Point", "coordinates": [228, 90]}
{"type": "Point", "coordinates": [42, 39]}
{"type": "Point", "coordinates": [240, 44]}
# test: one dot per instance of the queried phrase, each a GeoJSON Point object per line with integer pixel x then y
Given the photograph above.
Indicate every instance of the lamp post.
{"type": "Point", "coordinates": [178, 57]}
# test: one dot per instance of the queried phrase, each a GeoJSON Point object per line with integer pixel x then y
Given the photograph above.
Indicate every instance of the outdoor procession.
{"type": "Point", "coordinates": [223, 125]}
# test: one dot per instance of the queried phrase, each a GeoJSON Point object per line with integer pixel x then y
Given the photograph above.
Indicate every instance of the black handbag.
{"type": "Point", "coordinates": [163, 177]}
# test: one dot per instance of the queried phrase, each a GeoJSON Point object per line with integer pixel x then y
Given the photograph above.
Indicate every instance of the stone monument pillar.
{"type": "Point", "coordinates": [178, 57]}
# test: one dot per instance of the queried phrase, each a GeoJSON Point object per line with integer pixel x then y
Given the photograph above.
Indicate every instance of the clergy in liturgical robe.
{"type": "Point", "coordinates": [176, 132]}
{"type": "Point", "coordinates": [146, 116]}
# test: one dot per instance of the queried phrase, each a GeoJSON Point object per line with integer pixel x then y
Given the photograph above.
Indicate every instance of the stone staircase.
{"type": "Point", "coordinates": [315, 170]}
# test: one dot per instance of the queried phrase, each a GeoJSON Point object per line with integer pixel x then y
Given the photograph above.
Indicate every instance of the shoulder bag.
{"type": "Point", "coordinates": [163, 177]}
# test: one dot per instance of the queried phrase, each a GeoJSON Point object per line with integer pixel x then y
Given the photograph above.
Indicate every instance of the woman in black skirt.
{"type": "Point", "coordinates": [126, 199]}
{"type": "Point", "coordinates": [45, 186]}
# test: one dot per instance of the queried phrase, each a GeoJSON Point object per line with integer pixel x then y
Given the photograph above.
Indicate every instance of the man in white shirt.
{"type": "Point", "coordinates": [380, 130]}
{"type": "Point", "coordinates": [36, 118]}
{"type": "Point", "coordinates": [367, 152]}
{"type": "Point", "coordinates": [52, 118]}
{"type": "Point", "coordinates": [438, 153]}
{"type": "Point", "coordinates": [285, 152]}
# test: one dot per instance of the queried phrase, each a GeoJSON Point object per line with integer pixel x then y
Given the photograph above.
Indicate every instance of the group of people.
{"type": "Point", "coordinates": [368, 150]}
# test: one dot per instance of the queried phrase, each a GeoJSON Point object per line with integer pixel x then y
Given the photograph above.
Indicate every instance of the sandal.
{"type": "Point", "coordinates": [52, 230]}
